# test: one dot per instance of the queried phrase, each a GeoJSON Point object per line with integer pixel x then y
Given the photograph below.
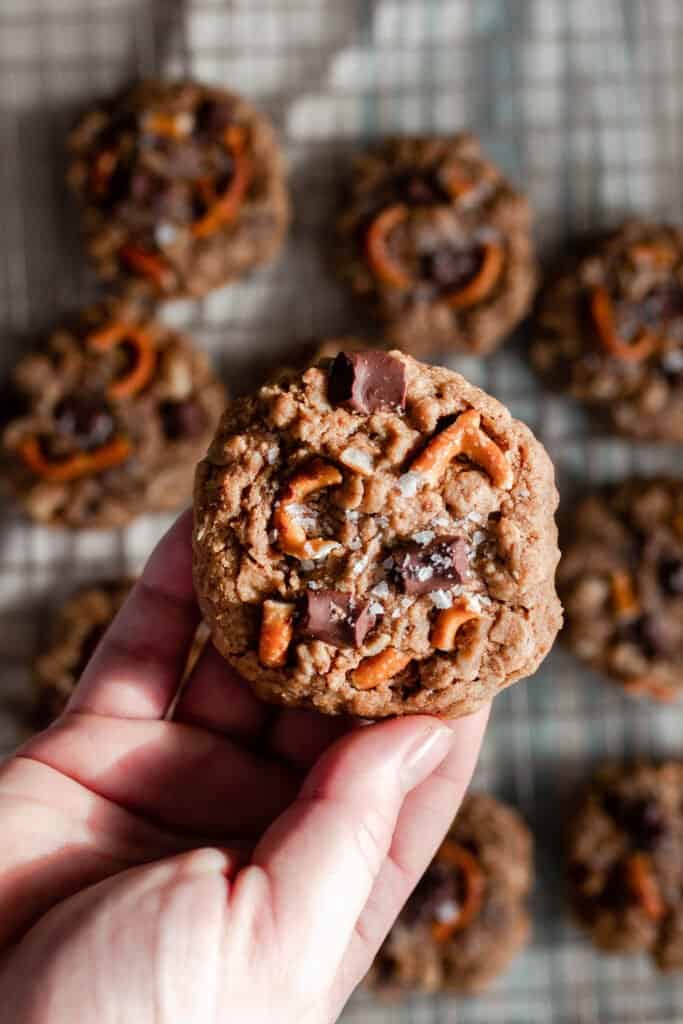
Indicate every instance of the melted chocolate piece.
{"type": "Point", "coordinates": [439, 565]}
{"type": "Point", "coordinates": [214, 116]}
{"type": "Point", "coordinates": [367, 381]}
{"type": "Point", "coordinates": [649, 633]}
{"type": "Point", "coordinates": [84, 419]}
{"type": "Point", "coordinates": [451, 268]}
{"type": "Point", "coordinates": [616, 893]}
{"type": "Point", "coordinates": [182, 419]}
{"type": "Point", "coordinates": [641, 818]}
{"type": "Point", "coordinates": [439, 890]}
{"type": "Point", "coordinates": [670, 573]}
{"type": "Point", "coordinates": [335, 618]}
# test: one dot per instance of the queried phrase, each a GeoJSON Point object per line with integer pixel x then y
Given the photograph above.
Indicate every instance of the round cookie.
{"type": "Point", "coordinates": [436, 239]}
{"type": "Point", "coordinates": [610, 330]}
{"type": "Point", "coordinates": [468, 916]}
{"type": "Point", "coordinates": [107, 420]}
{"type": "Point", "coordinates": [79, 625]}
{"type": "Point", "coordinates": [182, 187]}
{"type": "Point", "coordinates": [625, 851]}
{"type": "Point", "coordinates": [621, 581]}
{"type": "Point", "coordinates": [376, 537]}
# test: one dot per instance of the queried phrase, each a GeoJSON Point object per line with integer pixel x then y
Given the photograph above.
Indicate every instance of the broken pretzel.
{"type": "Point", "coordinates": [603, 317]}
{"type": "Point", "coordinates": [472, 878]}
{"type": "Point", "coordinates": [143, 364]}
{"type": "Point", "coordinates": [444, 631]}
{"type": "Point", "coordinates": [464, 437]}
{"type": "Point", "coordinates": [379, 668]}
{"type": "Point", "coordinates": [61, 471]}
{"type": "Point", "coordinates": [292, 539]}
{"type": "Point", "coordinates": [277, 628]}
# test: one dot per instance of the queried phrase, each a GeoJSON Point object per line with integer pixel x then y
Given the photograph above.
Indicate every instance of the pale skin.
{"type": "Point", "coordinates": [236, 862]}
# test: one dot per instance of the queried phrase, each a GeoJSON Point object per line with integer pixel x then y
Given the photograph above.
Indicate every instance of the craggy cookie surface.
{"type": "Point", "coordinates": [438, 241]}
{"type": "Point", "coordinates": [625, 855]}
{"type": "Point", "coordinates": [468, 916]}
{"type": "Point", "coordinates": [376, 537]}
{"type": "Point", "coordinates": [621, 581]}
{"type": "Point", "coordinates": [610, 330]}
{"type": "Point", "coordinates": [182, 187]}
{"type": "Point", "coordinates": [80, 624]}
{"type": "Point", "coordinates": [107, 420]}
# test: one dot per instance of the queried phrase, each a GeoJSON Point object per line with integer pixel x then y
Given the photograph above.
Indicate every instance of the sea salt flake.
{"type": "Point", "coordinates": [314, 585]}
{"type": "Point", "coordinates": [381, 589]}
{"type": "Point", "coordinates": [673, 360]}
{"type": "Point", "coordinates": [356, 458]}
{"type": "Point", "coordinates": [446, 911]}
{"type": "Point", "coordinates": [165, 234]}
{"type": "Point", "coordinates": [424, 537]}
{"type": "Point", "coordinates": [409, 483]}
{"type": "Point", "coordinates": [478, 537]}
{"type": "Point", "coordinates": [425, 572]}
{"type": "Point", "coordinates": [442, 598]}
{"type": "Point", "coordinates": [271, 456]}
{"type": "Point", "coordinates": [355, 544]}
{"type": "Point", "coordinates": [352, 514]}
{"type": "Point", "coordinates": [358, 567]}
{"type": "Point", "coordinates": [376, 608]}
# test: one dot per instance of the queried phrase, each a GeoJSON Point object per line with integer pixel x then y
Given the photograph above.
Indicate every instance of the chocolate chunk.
{"type": "Point", "coordinates": [640, 817]}
{"type": "Point", "coordinates": [84, 419]}
{"type": "Point", "coordinates": [214, 116]}
{"type": "Point", "coordinates": [439, 889]}
{"type": "Point", "coordinates": [182, 419]}
{"type": "Point", "coordinates": [450, 268]}
{"type": "Point", "coordinates": [367, 381]}
{"type": "Point", "coordinates": [649, 633]}
{"type": "Point", "coordinates": [438, 565]}
{"type": "Point", "coordinates": [670, 572]}
{"type": "Point", "coordinates": [336, 618]}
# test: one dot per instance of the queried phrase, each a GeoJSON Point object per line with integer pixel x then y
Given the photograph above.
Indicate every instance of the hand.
{"type": "Point", "coordinates": [233, 863]}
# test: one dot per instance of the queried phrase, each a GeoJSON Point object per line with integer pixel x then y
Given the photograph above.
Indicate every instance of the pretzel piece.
{"type": "Point", "coordinates": [478, 286]}
{"type": "Point", "coordinates": [222, 209]}
{"type": "Point", "coordinates": [443, 635]}
{"type": "Point", "coordinates": [473, 884]}
{"type": "Point", "coordinates": [646, 686]}
{"type": "Point", "coordinates": [81, 464]}
{"type": "Point", "coordinates": [603, 318]}
{"type": "Point", "coordinates": [464, 437]}
{"type": "Point", "coordinates": [148, 265]}
{"type": "Point", "coordinates": [277, 629]}
{"type": "Point", "coordinates": [644, 885]}
{"type": "Point", "coordinates": [145, 356]}
{"type": "Point", "coordinates": [624, 600]}
{"type": "Point", "coordinates": [292, 539]}
{"type": "Point", "coordinates": [379, 668]}
{"type": "Point", "coordinates": [383, 264]}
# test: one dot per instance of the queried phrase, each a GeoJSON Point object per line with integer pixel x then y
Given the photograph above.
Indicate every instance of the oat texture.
{"type": "Point", "coordinates": [621, 580]}
{"type": "Point", "coordinates": [385, 562]}
{"type": "Point", "coordinates": [625, 853]}
{"type": "Point", "coordinates": [107, 419]}
{"type": "Point", "coordinates": [182, 188]}
{"type": "Point", "coordinates": [431, 948]}
{"type": "Point", "coordinates": [610, 330]}
{"type": "Point", "coordinates": [438, 243]}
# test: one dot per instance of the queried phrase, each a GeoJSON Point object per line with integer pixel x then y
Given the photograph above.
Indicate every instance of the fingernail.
{"type": "Point", "coordinates": [425, 755]}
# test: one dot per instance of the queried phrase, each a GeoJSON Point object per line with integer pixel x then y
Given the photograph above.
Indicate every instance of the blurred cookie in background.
{"type": "Point", "coordinates": [609, 330]}
{"type": "Point", "coordinates": [107, 419]}
{"type": "Point", "coordinates": [439, 244]}
{"type": "Point", "coordinates": [182, 187]}
{"type": "Point", "coordinates": [621, 581]}
{"type": "Point", "coordinates": [468, 916]}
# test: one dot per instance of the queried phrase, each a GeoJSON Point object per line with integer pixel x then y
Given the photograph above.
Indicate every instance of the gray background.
{"type": "Point", "coordinates": [580, 101]}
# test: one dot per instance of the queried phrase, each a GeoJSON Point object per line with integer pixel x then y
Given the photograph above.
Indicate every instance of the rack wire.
{"type": "Point", "coordinates": [581, 103]}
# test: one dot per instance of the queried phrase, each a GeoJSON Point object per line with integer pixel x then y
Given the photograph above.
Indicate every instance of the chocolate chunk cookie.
{"type": "Point", "coordinates": [79, 625]}
{"type": "Point", "coordinates": [610, 330]}
{"type": "Point", "coordinates": [468, 916]}
{"type": "Point", "coordinates": [182, 187]}
{"type": "Point", "coordinates": [376, 537]}
{"type": "Point", "coordinates": [107, 420]}
{"type": "Point", "coordinates": [439, 242]}
{"type": "Point", "coordinates": [625, 856]}
{"type": "Point", "coordinates": [621, 581]}
{"type": "Point", "coordinates": [76, 631]}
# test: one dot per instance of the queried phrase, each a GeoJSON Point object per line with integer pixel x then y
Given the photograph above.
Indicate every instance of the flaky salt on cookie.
{"type": "Point", "coordinates": [377, 538]}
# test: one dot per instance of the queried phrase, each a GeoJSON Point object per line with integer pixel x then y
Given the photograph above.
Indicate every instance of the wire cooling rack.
{"type": "Point", "coordinates": [581, 102]}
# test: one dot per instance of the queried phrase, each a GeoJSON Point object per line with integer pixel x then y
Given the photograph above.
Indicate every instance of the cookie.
{"type": "Point", "coordinates": [182, 187]}
{"type": "Point", "coordinates": [621, 581]}
{"type": "Point", "coordinates": [610, 330]}
{"type": "Point", "coordinates": [438, 242]}
{"type": "Point", "coordinates": [468, 915]}
{"type": "Point", "coordinates": [376, 537]}
{"type": "Point", "coordinates": [625, 853]}
{"type": "Point", "coordinates": [107, 420]}
{"type": "Point", "coordinates": [77, 629]}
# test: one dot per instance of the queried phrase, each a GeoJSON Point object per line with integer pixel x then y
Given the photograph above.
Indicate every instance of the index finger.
{"type": "Point", "coordinates": [139, 663]}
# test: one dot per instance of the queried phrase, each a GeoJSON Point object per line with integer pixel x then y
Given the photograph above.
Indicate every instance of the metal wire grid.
{"type": "Point", "coordinates": [579, 101]}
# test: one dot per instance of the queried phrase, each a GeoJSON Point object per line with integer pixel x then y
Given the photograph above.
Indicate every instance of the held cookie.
{"type": "Point", "coordinates": [107, 420]}
{"type": "Point", "coordinates": [467, 917]}
{"type": "Point", "coordinates": [621, 581]}
{"type": "Point", "coordinates": [437, 240]}
{"type": "Point", "coordinates": [182, 187]}
{"type": "Point", "coordinates": [376, 537]}
{"type": "Point", "coordinates": [610, 330]}
{"type": "Point", "coordinates": [79, 625]}
{"type": "Point", "coordinates": [625, 850]}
